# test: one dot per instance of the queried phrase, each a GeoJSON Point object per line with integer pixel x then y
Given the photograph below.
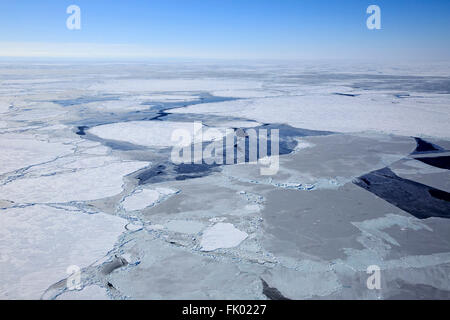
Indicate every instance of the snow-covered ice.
{"type": "Point", "coordinates": [23, 150]}
{"type": "Point", "coordinates": [167, 85]}
{"type": "Point", "coordinates": [222, 236]}
{"type": "Point", "coordinates": [146, 133]}
{"type": "Point", "coordinates": [39, 243]}
{"type": "Point", "coordinates": [81, 185]}
{"type": "Point", "coordinates": [144, 198]}
{"type": "Point", "coordinates": [89, 293]}
{"type": "Point", "coordinates": [378, 113]}
{"type": "Point", "coordinates": [86, 179]}
{"type": "Point", "coordinates": [183, 226]}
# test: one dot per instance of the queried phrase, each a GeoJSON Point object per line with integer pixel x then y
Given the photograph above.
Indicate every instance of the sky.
{"type": "Point", "coordinates": [227, 29]}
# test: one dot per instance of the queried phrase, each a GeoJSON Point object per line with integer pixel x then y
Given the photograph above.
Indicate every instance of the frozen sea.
{"type": "Point", "coordinates": [87, 181]}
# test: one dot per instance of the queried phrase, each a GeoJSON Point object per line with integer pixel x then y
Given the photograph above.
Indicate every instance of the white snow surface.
{"type": "Point", "coordinates": [142, 199]}
{"type": "Point", "coordinates": [89, 293]}
{"type": "Point", "coordinates": [222, 236]}
{"type": "Point", "coordinates": [116, 105]}
{"type": "Point", "coordinates": [81, 185]}
{"type": "Point", "coordinates": [38, 244]}
{"type": "Point", "coordinates": [148, 133]}
{"type": "Point", "coordinates": [22, 150]}
{"type": "Point", "coordinates": [170, 85]}
{"type": "Point", "coordinates": [428, 116]}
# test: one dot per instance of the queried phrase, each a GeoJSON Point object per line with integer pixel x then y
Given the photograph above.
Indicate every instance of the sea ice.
{"type": "Point", "coordinates": [184, 226]}
{"type": "Point", "coordinates": [89, 293]}
{"type": "Point", "coordinates": [340, 113]}
{"type": "Point", "coordinates": [167, 97]}
{"type": "Point", "coordinates": [309, 230]}
{"type": "Point", "coordinates": [262, 93]}
{"type": "Point", "coordinates": [144, 198]}
{"type": "Point", "coordinates": [144, 133]}
{"type": "Point", "coordinates": [222, 236]}
{"type": "Point", "coordinates": [238, 124]}
{"type": "Point", "coordinates": [38, 243]}
{"type": "Point", "coordinates": [159, 134]}
{"type": "Point", "coordinates": [167, 85]}
{"type": "Point", "coordinates": [116, 106]}
{"type": "Point", "coordinates": [22, 150]}
{"type": "Point", "coordinates": [81, 185]}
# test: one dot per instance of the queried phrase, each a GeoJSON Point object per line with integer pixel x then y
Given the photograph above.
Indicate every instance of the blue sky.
{"type": "Point", "coordinates": [269, 29]}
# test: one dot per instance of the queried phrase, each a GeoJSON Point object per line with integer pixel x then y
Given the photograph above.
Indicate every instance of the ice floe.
{"type": "Point", "coordinates": [373, 227]}
{"type": "Point", "coordinates": [135, 226]}
{"type": "Point", "coordinates": [23, 150]}
{"type": "Point", "coordinates": [222, 236]}
{"type": "Point", "coordinates": [81, 185]}
{"type": "Point", "coordinates": [145, 133]}
{"type": "Point", "coordinates": [238, 124]}
{"type": "Point", "coordinates": [116, 106]}
{"type": "Point", "coordinates": [39, 243]}
{"type": "Point", "coordinates": [144, 198]}
{"type": "Point", "coordinates": [184, 226]}
{"type": "Point", "coordinates": [89, 293]}
{"type": "Point", "coordinates": [174, 97]}
{"type": "Point", "coordinates": [340, 113]}
{"type": "Point", "coordinates": [262, 93]}
{"type": "Point", "coordinates": [167, 85]}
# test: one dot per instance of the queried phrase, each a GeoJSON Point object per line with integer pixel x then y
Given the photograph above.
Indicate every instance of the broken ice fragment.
{"type": "Point", "coordinates": [222, 236]}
